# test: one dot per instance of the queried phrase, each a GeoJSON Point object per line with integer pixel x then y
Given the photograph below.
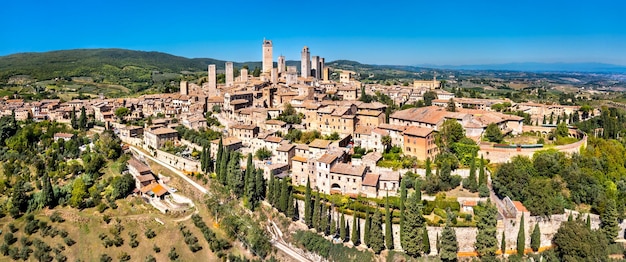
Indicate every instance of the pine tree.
{"type": "Point", "coordinates": [449, 244]}
{"type": "Point", "coordinates": [376, 237]}
{"type": "Point", "coordinates": [316, 212]}
{"type": "Point", "coordinates": [608, 221]}
{"type": "Point", "coordinates": [425, 241]}
{"type": "Point", "coordinates": [218, 158]}
{"type": "Point", "coordinates": [535, 238]}
{"type": "Point", "coordinates": [356, 239]}
{"type": "Point", "coordinates": [521, 238]}
{"type": "Point", "coordinates": [482, 178]}
{"type": "Point", "coordinates": [414, 223]}
{"type": "Point", "coordinates": [388, 224]}
{"type": "Point", "coordinates": [486, 240]}
{"type": "Point", "coordinates": [503, 244]}
{"type": "Point", "coordinates": [342, 228]}
{"type": "Point", "coordinates": [308, 209]}
{"type": "Point", "coordinates": [366, 229]}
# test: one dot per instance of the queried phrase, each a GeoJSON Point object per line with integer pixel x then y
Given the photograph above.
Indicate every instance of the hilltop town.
{"type": "Point", "coordinates": [339, 137]}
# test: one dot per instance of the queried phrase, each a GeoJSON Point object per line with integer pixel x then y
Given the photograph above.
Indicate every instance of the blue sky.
{"type": "Point", "coordinates": [376, 32]}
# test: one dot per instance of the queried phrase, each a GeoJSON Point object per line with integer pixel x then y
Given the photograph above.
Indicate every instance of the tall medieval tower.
{"type": "Point", "coordinates": [305, 61]}
{"type": "Point", "coordinates": [268, 62]}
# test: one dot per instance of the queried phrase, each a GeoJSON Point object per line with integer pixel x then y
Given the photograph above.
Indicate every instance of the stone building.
{"type": "Point", "coordinates": [268, 60]}
{"type": "Point", "coordinates": [230, 74]}
{"type": "Point", "coordinates": [156, 138]}
{"type": "Point", "coordinates": [420, 142]}
{"type": "Point", "coordinates": [305, 67]}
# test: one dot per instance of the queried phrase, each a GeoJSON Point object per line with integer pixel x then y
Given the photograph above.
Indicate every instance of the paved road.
{"type": "Point", "coordinates": [174, 170]}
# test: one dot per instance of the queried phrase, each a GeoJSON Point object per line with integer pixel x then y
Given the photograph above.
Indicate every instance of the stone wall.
{"type": "Point", "coordinates": [502, 155]}
{"type": "Point", "coordinates": [187, 165]}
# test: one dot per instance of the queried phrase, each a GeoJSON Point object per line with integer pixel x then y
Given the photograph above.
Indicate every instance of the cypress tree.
{"type": "Point", "coordinates": [202, 159]}
{"type": "Point", "coordinates": [73, 121]}
{"type": "Point", "coordinates": [235, 177]}
{"type": "Point", "coordinates": [428, 168]}
{"type": "Point", "coordinates": [473, 184]}
{"type": "Point", "coordinates": [438, 244]}
{"type": "Point", "coordinates": [482, 178]}
{"type": "Point", "coordinates": [308, 210]}
{"type": "Point", "coordinates": [47, 192]}
{"type": "Point", "coordinates": [521, 238]}
{"type": "Point", "coordinates": [290, 207]}
{"type": "Point", "coordinates": [316, 212]}
{"type": "Point", "coordinates": [224, 166]}
{"type": "Point", "coordinates": [284, 194]}
{"type": "Point", "coordinates": [403, 193]}
{"type": "Point", "coordinates": [356, 238]}
{"type": "Point", "coordinates": [414, 224]}
{"type": "Point", "coordinates": [376, 238]}
{"type": "Point", "coordinates": [535, 238]}
{"type": "Point", "coordinates": [323, 219]}
{"type": "Point", "coordinates": [388, 226]}
{"type": "Point", "coordinates": [486, 240]}
{"type": "Point", "coordinates": [249, 181]}
{"type": "Point", "coordinates": [277, 193]}
{"type": "Point", "coordinates": [348, 228]}
{"type": "Point", "coordinates": [342, 228]}
{"type": "Point", "coordinates": [218, 158]}
{"type": "Point", "coordinates": [208, 160]}
{"type": "Point", "coordinates": [588, 221]}
{"type": "Point", "coordinates": [259, 183]}
{"type": "Point", "coordinates": [270, 190]}
{"type": "Point", "coordinates": [366, 229]}
{"type": "Point", "coordinates": [503, 244]}
{"type": "Point", "coordinates": [296, 210]}
{"type": "Point", "coordinates": [82, 120]}
{"type": "Point", "coordinates": [608, 221]}
{"type": "Point", "coordinates": [333, 224]}
{"type": "Point", "coordinates": [570, 217]}
{"type": "Point", "coordinates": [425, 241]}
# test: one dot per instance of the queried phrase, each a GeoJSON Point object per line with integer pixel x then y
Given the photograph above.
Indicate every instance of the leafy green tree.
{"type": "Point", "coordinates": [122, 186]}
{"type": "Point", "coordinates": [493, 133]}
{"type": "Point", "coordinates": [521, 238]}
{"type": "Point", "coordinates": [608, 221]}
{"type": "Point", "coordinates": [308, 209]}
{"type": "Point", "coordinates": [451, 106]}
{"type": "Point", "coordinates": [535, 238]}
{"type": "Point", "coordinates": [263, 153]}
{"type": "Point", "coordinates": [429, 96]}
{"type": "Point", "coordinates": [451, 131]}
{"type": "Point", "coordinates": [121, 113]}
{"type": "Point", "coordinates": [414, 223]}
{"type": "Point", "coordinates": [386, 141]}
{"type": "Point", "coordinates": [79, 191]}
{"type": "Point", "coordinates": [562, 130]}
{"type": "Point", "coordinates": [376, 237]}
{"type": "Point", "coordinates": [473, 184]}
{"type": "Point", "coordinates": [575, 242]}
{"type": "Point", "coordinates": [388, 226]}
{"type": "Point", "coordinates": [486, 241]}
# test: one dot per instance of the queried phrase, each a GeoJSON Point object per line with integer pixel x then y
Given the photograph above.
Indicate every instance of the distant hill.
{"type": "Point", "coordinates": [539, 67]}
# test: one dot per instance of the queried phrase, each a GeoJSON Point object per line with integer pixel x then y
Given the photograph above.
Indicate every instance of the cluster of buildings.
{"type": "Point", "coordinates": [248, 108]}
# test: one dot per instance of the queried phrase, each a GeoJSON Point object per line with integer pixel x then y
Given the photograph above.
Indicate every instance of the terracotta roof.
{"type": "Point", "coordinates": [347, 169]}
{"type": "Point", "coordinates": [392, 127]}
{"type": "Point", "coordinates": [430, 115]}
{"type": "Point", "coordinates": [300, 159]}
{"type": "Point", "coordinates": [469, 203]}
{"type": "Point", "coordinates": [246, 127]}
{"type": "Point", "coordinates": [285, 147]}
{"type": "Point", "coordinates": [320, 143]}
{"type": "Point", "coordinates": [372, 156]}
{"type": "Point", "coordinates": [389, 176]}
{"type": "Point", "coordinates": [273, 139]}
{"type": "Point", "coordinates": [519, 206]}
{"type": "Point", "coordinates": [139, 166]}
{"type": "Point", "coordinates": [238, 101]}
{"type": "Point", "coordinates": [370, 180]}
{"type": "Point", "coordinates": [145, 178]}
{"type": "Point", "coordinates": [366, 112]}
{"type": "Point", "coordinates": [227, 141]}
{"type": "Point", "coordinates": [327, 158]}
{"type": "Point", "coordinates": [275, 122]}
{"type": "Point", "coordinates": [418, 131]}
{"type": "Point", "coordinates": [363, 130]}
{"type": "Point", "coordinates": [163, 131]}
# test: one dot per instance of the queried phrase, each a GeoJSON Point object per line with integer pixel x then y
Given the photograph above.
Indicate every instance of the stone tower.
{"type": "Point", "coordinates": [212, 77]}
{"type": "Point", "coordinates": [244, 75]}
{"type": "Point", "coordinates": [268, 61]}
{"type": "Point", "coordinates": [322, 64]}
{"type": "Point", "coordinates": [229, 74]}
{"type": "Point", "coordinates": [305, 67]}
{"type": "Point", "coordinates": [315, 62]}
{"type": "Point", "coordinates": [184, 88]}
{"type": "Point", "coordinates": [281, 64]}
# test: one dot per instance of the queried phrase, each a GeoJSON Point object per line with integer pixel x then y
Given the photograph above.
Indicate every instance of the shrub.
{"type": "Point", "coordinates": [68, 241]}
{"type": "Point", "coordinates": [172, 255]}
{"type": "Point", "coordinates": [56, 217]}
{"type": "Point", "coordinates": [150, 233]}
{"type": "Point", "coordinates": [156, 249]}
{"type": "Point", "coordinates": [124, 256]}
{"type": "Point", "coordinates": [105, 258]}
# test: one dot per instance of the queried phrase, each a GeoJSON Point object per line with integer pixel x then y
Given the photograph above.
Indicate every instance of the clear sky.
{"type": "Point", "coordinates": [377, 32]}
